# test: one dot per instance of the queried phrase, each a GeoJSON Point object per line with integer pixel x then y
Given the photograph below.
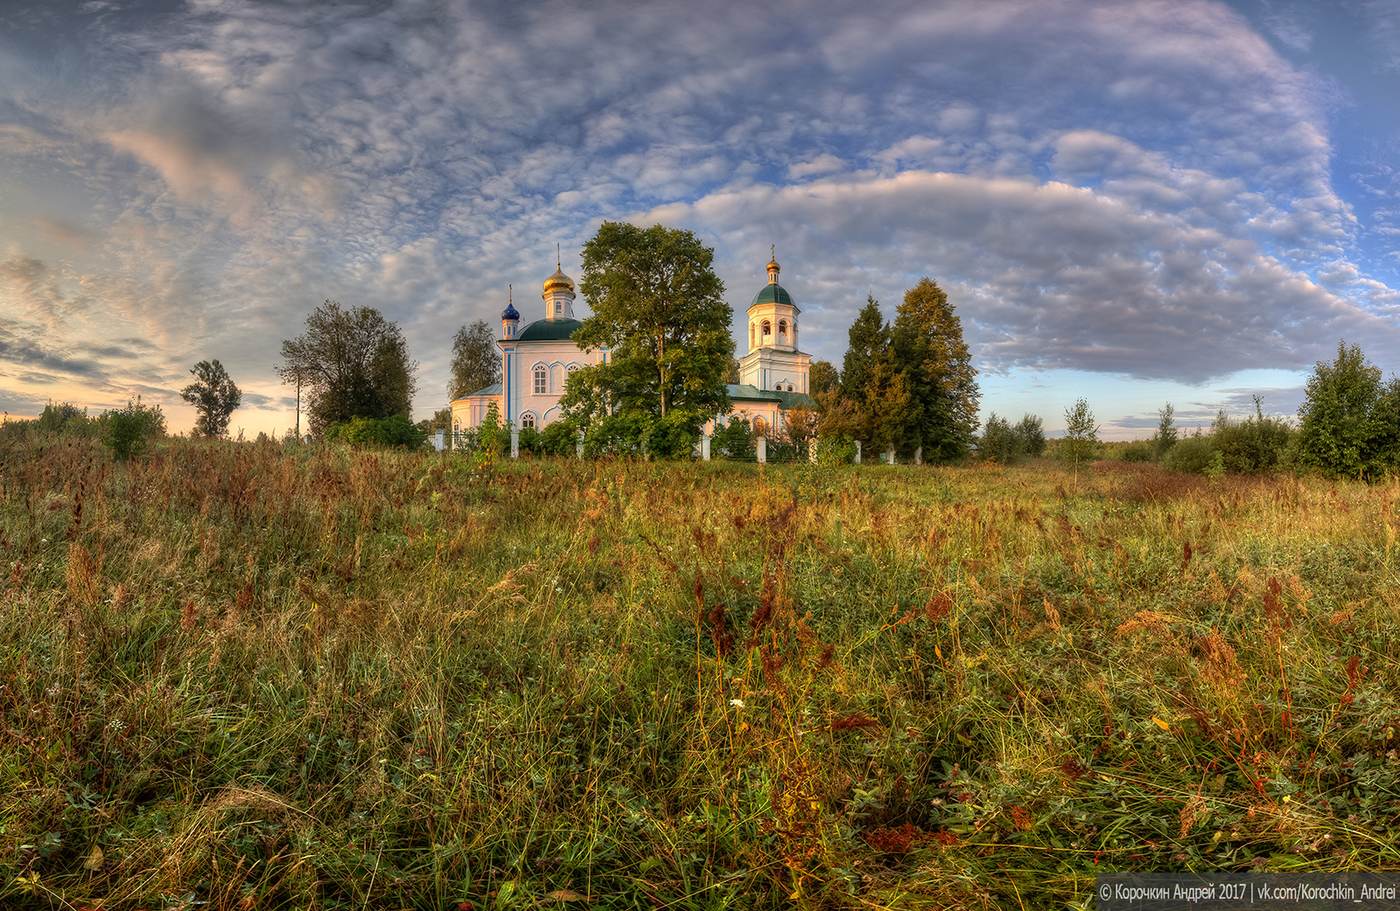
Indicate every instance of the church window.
{"type": "Point", "coordinates": [789, 387]}
{"type": "Point", "coordinates": [782, 332]}
{"type": "Point", "coordinates": [767, 330]}
{"type": "Point", "coordinates": [541, 380]}
{"type": "Point", "coordinates": [528, 420]}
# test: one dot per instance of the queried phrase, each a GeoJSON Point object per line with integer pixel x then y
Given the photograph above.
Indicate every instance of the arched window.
{"type": "Point", "coordinates": [782, 332]}
{"type": "Point", "coordinates": [750, 335]}
{"type": "Point", "coordinates": [767, 330]}
{"type": "Point", "coordinates": [541, 380]}
{"type": "Point", "coordinates": [527, 420]}
{"type": "Point", "coordinates": [789, 387]}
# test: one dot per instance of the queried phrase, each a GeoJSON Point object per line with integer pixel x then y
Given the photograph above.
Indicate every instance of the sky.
{"type": "Point", "coordinates": [1137, 203]}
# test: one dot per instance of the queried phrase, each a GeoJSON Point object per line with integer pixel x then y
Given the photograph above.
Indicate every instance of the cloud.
{"type": "Point", "coordinates": [1052, 276]}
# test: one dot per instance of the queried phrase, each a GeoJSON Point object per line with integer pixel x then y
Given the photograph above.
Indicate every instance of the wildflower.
{"type": "Point", "coordinates": [737, 703]}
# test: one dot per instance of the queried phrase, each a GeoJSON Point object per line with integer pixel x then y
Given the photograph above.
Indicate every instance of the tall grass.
{"type": "Point", "coordinates": [257, 676]}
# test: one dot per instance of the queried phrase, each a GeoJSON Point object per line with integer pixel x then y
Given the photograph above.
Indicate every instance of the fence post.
{"type": "Point", "coordinates": [857, 452]}
{"type": "Point", "coordinates": [704, 447]}
{"type": "Point", "coordinates": [889, 456]}
{"type": "Point", "coordinates": [763, 449]}
{"type": "Point", "coordinates": [515, 444]}
{"type": "Point", "coordinates": [919, 456]}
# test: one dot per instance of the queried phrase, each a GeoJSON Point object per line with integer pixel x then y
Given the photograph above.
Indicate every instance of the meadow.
{"type": "Point", "coordinates": [248, 675]}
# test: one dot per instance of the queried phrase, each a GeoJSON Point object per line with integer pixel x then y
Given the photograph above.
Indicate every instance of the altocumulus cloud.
{"type": "Point", "coordinates": [1141, 188]}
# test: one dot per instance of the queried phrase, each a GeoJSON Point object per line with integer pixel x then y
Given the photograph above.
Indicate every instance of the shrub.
{"type": "Point", "coordinates": [394, 432]}
{"type": "Point", "coordinates": [674, 436]}
{"type": "Point", "coordinates": [1137, 451]}
{"type": "Point", "coordinates": [531, 441]}
{"type": "Point", "coordinates": [835, 450]}
{"type": "Point", "coordinates": [1008, 444]}
{"type": "Point", "coordinates": [560, 438]}
{"type": "Point", "coordinates": [623, 433]}
{"type": "Point", "coordinates": [1190, 456]}
{"type": "Point", "coordinates": [128, 430]}
{"type": "Point", "coordinates": [1255, 445]}
{"type": "Point", "coordinates": [735, 441]}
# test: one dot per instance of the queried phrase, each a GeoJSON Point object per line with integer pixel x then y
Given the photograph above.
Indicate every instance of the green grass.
{"type": "Point", "coordinates": [260, 677]}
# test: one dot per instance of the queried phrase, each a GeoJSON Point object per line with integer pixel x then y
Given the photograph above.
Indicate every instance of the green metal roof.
{"type": "Point", "coordinates": [549, 330]}
{"type": "Point", "coordinates": [493, 389]}
{"type": "Point", "coordinates": [772, 293]}
{"type": "Point", "coordinates": [742, 392]}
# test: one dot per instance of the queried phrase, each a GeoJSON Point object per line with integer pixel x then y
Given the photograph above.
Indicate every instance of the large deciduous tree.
{"type": "Point", "coordinates": [476, 361]}
{"type": "Point", "coordinates": [658, 305]}
{"type": "Point", "coordinates": [928, 346]}
{"type": "Point", "coordinates": [214, 397]}
{"type": "Point", "coordinates": [355, 364]}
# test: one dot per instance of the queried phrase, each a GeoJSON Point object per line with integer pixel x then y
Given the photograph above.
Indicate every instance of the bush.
{"type": "Point", "coordinates": [393, 432]}
{"type": "Point", "coordinates": [560, 438]}
{"type": "Point", "coordinates": [1252, 446]}
{"type": "Point", "coordinates": [1192, 455]}
{"type": "Point", "coordinates": [128, 430]}
{"type": "Point", "coordinates": [1007, 444]}
{"type": "Point", "coordinates": [835, 450]}
{"type": "Point", "coordinates": [622, 433]}
{"type": "Point", "coordinates": [735, 441]}
{"type": "Point", "coordinates": [674, 436]}
{"type": "Point", "coordinates": [1137, 451]}
{"type": "Point", "coordinates": [531, 441]}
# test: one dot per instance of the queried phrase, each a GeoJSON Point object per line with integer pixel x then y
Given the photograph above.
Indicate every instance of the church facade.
{"type": "Point", "coordinates": [536, 362]}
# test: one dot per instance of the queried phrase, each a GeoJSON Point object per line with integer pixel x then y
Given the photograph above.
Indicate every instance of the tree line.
{"type": "Point", "coordinates": [908, 385]}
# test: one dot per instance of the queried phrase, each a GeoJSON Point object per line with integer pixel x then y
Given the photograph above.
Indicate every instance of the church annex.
{"type": "Point", "coordinates": [536, 362]}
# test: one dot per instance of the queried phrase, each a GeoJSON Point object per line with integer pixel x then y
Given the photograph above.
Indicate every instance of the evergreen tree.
{"type": "Point", "coordinates": [868, 344]}
{"type": "Point", "coordinates": [928, 347]}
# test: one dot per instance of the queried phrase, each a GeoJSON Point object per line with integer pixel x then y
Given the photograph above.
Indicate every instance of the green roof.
{"type": "Point", "coordinates": [772, 293]}
{"type": "Point", "coordinates": [493, 389]}
{"type": "Point", "coordinates": [741, 392]}
{"type": "Point", "coordinates": [549, 330]}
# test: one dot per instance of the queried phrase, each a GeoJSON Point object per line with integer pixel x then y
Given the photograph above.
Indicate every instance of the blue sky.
{"type": "Point", "coordinates": [1130, 202]}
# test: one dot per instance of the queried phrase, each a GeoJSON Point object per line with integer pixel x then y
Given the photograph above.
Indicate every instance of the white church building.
{"type": "Point", "coordinates": [536, 362]}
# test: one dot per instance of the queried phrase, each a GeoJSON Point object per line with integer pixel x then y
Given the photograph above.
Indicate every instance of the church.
{"type": "Point", "coordinates": [536, 362]}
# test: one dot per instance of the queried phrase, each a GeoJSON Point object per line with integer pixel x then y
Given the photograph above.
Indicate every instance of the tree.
{"type": "Point", "coordinates": [355, 363]}
{"type": "Point", "coordinates": [658, 305]}
{"type": "Point", "coordinates": [823, 377]}
{"type": "Point", "coordinates": [1166, 432]}
{"type": "Point", "coordinates": [868, 343]}
{"type": "Point", "coordinates": [1081, 435]}
{"type": "Point", "coordinates": [1344, 428]}
{"type": "Point", "coordinates": [214, 396]}
{"type": "Point", "coordinates": [928, 348]}
{"type": "Point", "coordinates": [476, 361]}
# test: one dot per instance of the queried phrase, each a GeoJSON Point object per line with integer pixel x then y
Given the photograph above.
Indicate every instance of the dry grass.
{"type": "Point", "coordinates": [264, 677]}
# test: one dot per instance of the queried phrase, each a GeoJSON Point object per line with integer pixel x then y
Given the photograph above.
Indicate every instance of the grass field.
{"type": "Point", "coordinates": [238, 676]}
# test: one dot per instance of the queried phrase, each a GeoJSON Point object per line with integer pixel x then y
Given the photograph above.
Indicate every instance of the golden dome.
{"type": "Point", "coordinates": [558, 280]}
